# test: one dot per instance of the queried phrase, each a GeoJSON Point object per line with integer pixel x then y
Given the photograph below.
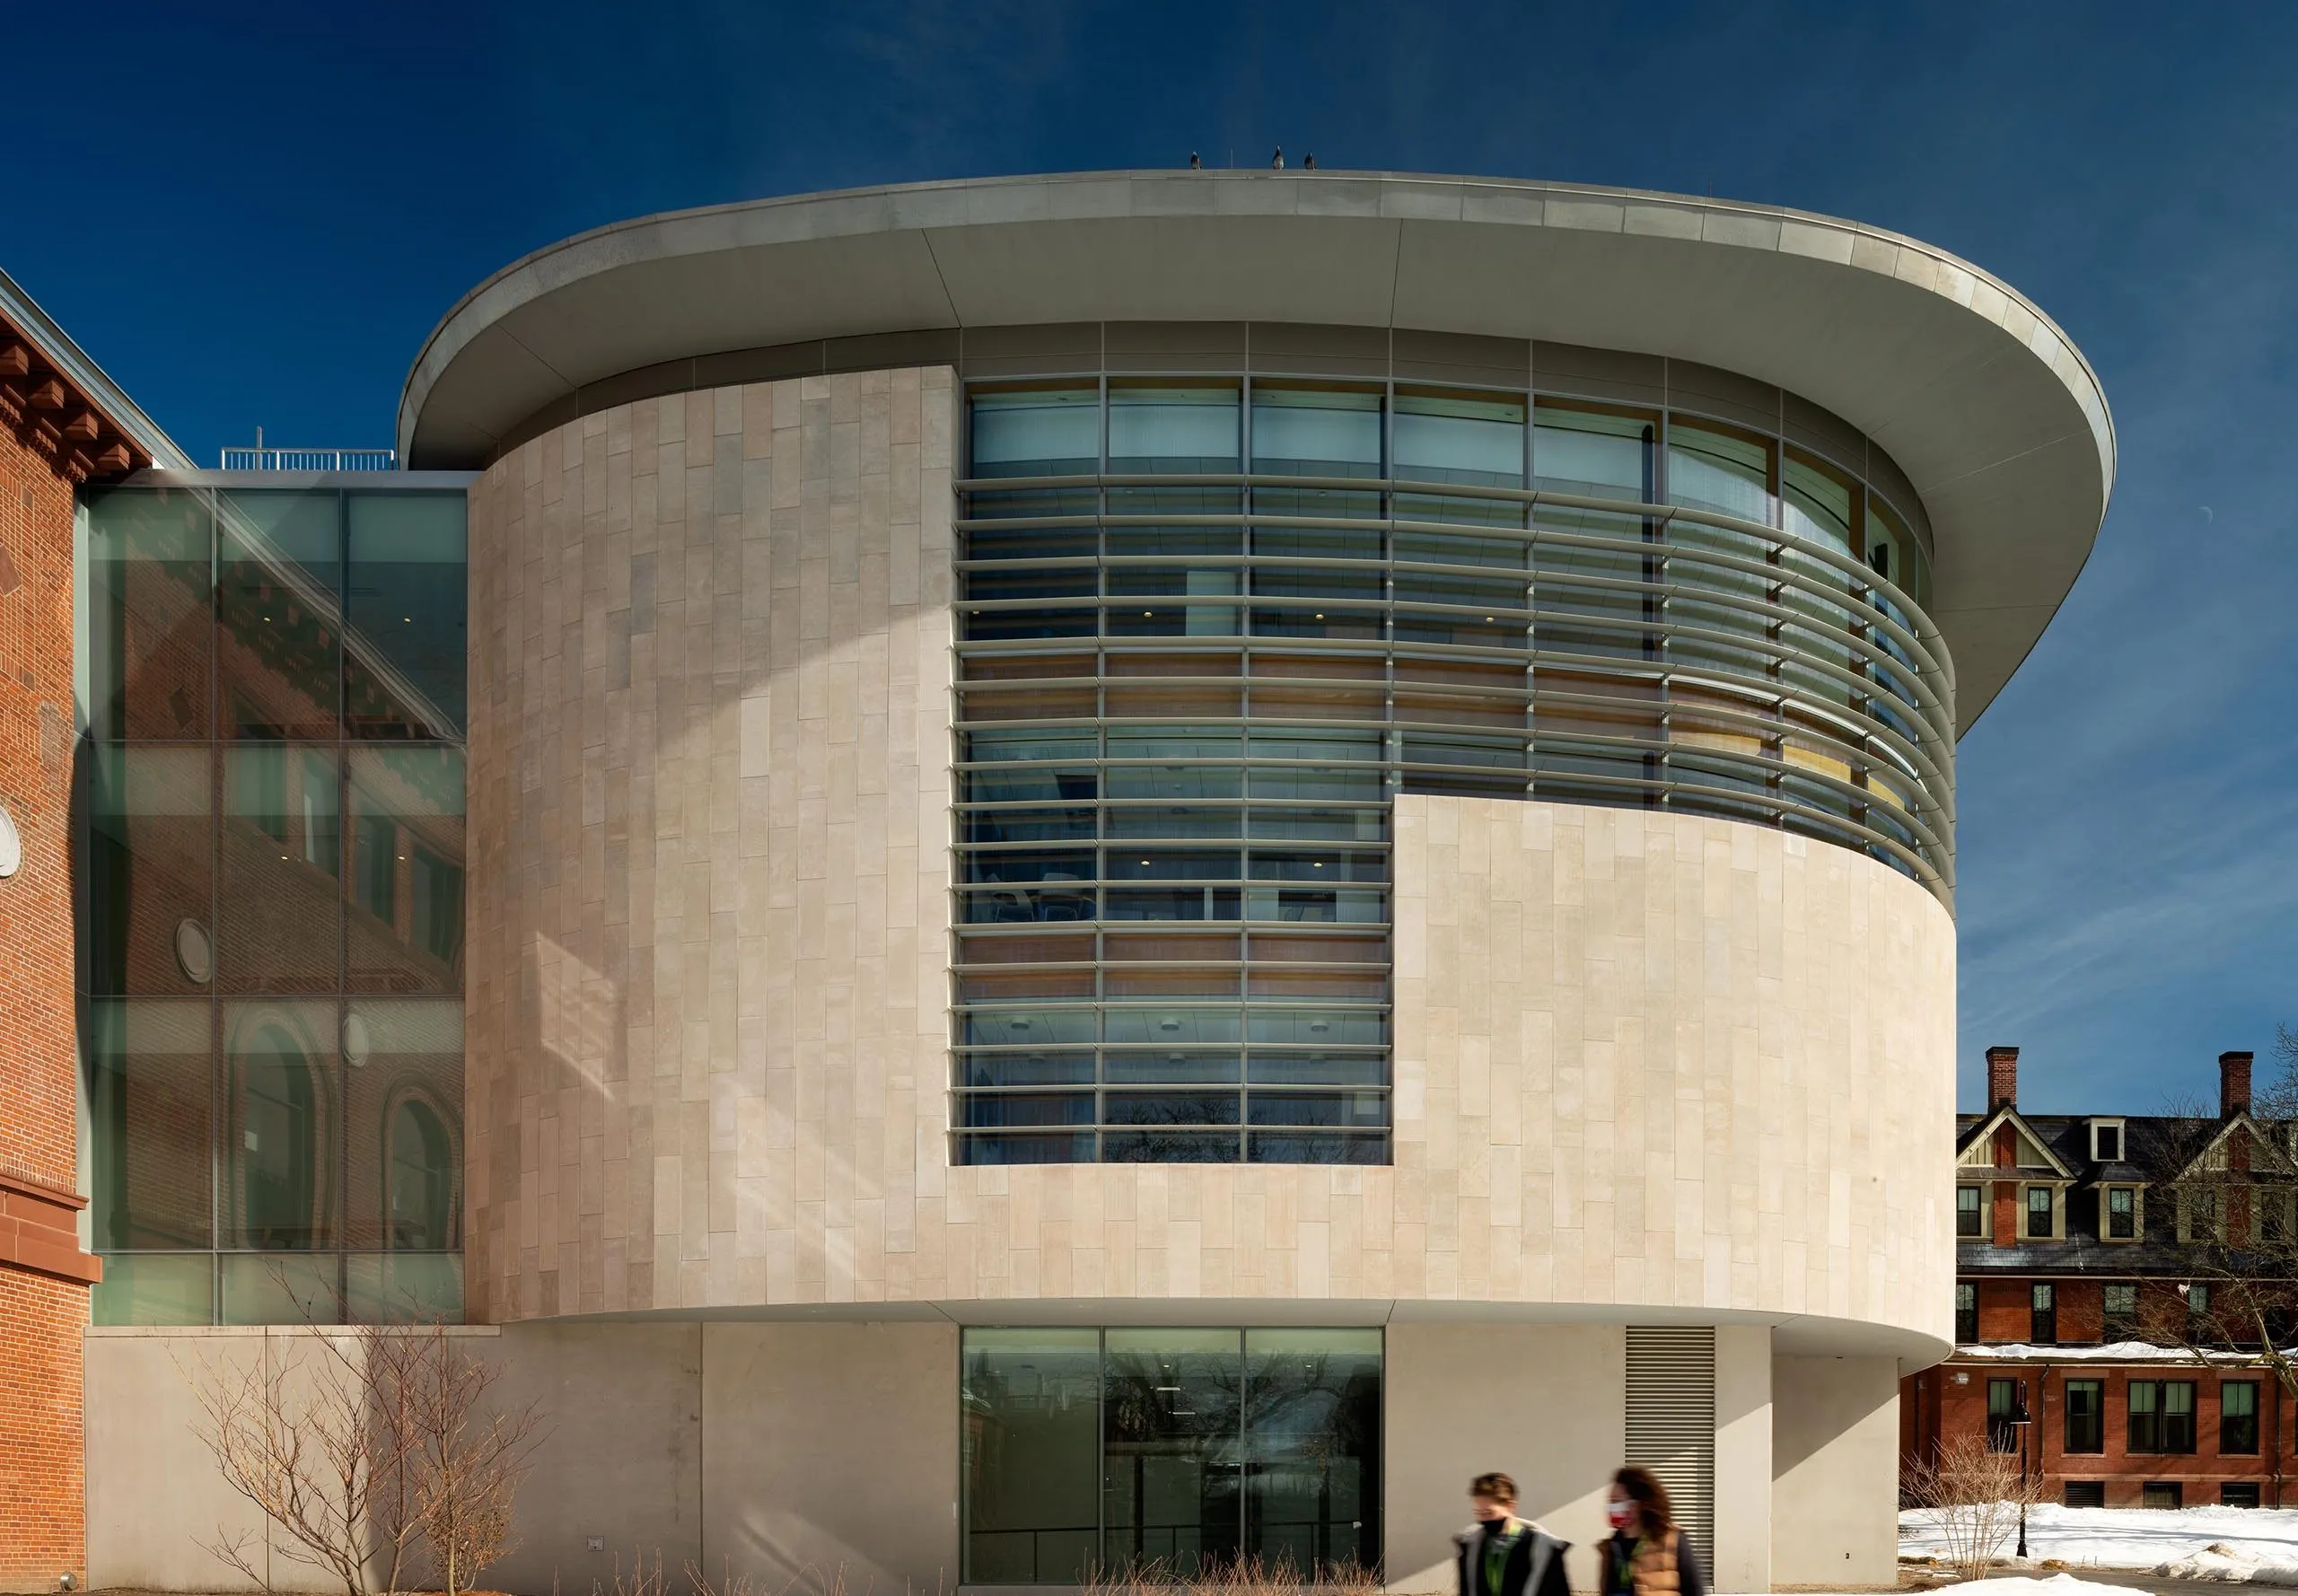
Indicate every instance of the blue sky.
{"type": "Point", "coordinates": [256, 221]}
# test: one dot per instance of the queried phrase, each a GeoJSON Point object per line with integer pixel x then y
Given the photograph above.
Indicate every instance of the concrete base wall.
{"type": "Point", "coordinates": [1545, 1404]}
{"type": "Point", "coordinates": [1834, 1471]}
{"type": "Point", "coordinates": [1743, 1460]}
{"type": "Point", "coordinates": [783, 1452]}
{"type": "Point", "coordinates": [829, 1445]}
{"type": "Point", "coordinates": [774, 1450]}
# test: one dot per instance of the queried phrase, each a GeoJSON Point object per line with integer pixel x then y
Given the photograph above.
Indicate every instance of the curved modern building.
{"type": "Point", "coordinates": [1157, 862]}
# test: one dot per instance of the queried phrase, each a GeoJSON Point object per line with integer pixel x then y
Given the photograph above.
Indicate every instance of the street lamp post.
{"type": "Point", "coordinates": [2023, 1421]}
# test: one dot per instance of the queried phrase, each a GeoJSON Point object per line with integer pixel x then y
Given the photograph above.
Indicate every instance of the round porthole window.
{"type": "Point", "coordinates": [11, 846]}
{"type": "Point", "coordinates": [195, 955]}
{"type": "Point", "coordinates": [355, 1045]}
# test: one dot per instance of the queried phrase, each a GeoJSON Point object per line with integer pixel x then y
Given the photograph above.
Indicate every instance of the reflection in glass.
{"type": "Point", "coordinates": [1036, 432]}
{"type": "Point", "coordinates": [402, 1287]}
{"type": "Point", "coordinates": [1162, 427]}
{"type": "Point", "coordinates": [148, 1110]}
{"type": "Point", "coordinates": [149, 629]}
{"type": "Point", "coordinates": [1172, 1458]}
{"type": "Point", "coordinates": [278, 615]}
{"type": "Point", "coordinates": [404, 654]}
{"type": "Point", "coordinates": [1030, 1407]}
{"type": "Point", "coordinates": [1597, 453]}
{"type": "Point", "coordinates": [149, 836]}
{"type": "Point", "coordinates": [233, 869]}
{"type": "Point", "coordinates": [1312, 1433]}
{"type": "Point", "coordinates": [402, 1083]}
{"type": "Point", "coordinates": [403, 931]}
{"type": "Point", "coordinates": [280, 1136]}
{"type": "Point", "coordinates": [280, 1288]}
{"type": "Point", "coordinates": [1712, 468]}
{"type": "Point", "coordinates": [278, 905]}
{"type": "Point", "coordinates": [1473, 439]}
{"type": "Point", "coordinates": [155, 1288]}
{"type": "Point", "coordinates": [1204, 1444]}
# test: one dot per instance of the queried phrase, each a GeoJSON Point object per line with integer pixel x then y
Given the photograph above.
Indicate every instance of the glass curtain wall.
{"type": "Point", "coordinates": [1175, 1448]}
{"type": "Point", "coordinates": [1211, 626]}
{"type": "Point", "coordinates": [273, 934]}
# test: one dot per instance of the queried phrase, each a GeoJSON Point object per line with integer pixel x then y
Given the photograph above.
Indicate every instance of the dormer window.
{"type": "Point", "coordinates": [2106, 1141]}
{"type": "Point", "coordinates": [2039, 1213]}
{"type": "Point", "coordinates": [2122, 1214]}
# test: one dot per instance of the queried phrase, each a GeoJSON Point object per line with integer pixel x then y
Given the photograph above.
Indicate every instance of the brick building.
{"type": "Point", "coordinates": [63, 426]}
{"type": "Point", "coordinates": [2083, 1283]}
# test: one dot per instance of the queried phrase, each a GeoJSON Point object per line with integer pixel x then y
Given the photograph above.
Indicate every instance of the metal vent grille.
{"type": "Point", "coordinates": [1672, 1422]}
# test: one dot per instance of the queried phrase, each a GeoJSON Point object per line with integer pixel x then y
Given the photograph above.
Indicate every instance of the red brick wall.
{"type": "Point", "coordinates": [41, 1491]}
{"type": "Point", "coordinates": [1941, 1404]}
{"type": "Point", "coordinates": [42, 1314]}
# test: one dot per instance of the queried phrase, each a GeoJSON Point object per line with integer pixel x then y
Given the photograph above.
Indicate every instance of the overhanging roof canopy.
{"type": "Point", "coordinates": [1978, 397]}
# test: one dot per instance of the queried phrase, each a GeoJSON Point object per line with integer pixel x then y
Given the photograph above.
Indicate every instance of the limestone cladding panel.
{"type": "Point", "coordinates": [1652, 1059]}
{"type": "Point", "coordinates": [1641, 1059]}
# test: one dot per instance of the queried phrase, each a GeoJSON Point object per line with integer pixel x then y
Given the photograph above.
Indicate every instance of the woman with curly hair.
{"type": "Point", "coordinates": [1646, 1555]}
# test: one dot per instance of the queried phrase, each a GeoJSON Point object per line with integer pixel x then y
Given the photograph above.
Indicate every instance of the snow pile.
{"type": "Point", "coordinates": [2233, 1565]}
{"type": "Point", "coordinates": [2237, 1545]}
{"type": "Point", "coordinates": [2063, 1584]}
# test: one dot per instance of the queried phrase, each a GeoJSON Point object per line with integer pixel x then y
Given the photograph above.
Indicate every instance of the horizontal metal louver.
{"type": "Point", "coordinates": [1672, 1422]}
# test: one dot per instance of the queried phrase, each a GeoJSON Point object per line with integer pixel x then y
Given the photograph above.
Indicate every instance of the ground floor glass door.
{"type": "Point", "coordinates": [1173, 1448]}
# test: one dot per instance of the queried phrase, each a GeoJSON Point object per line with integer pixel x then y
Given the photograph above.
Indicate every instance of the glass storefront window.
{"type": "Point", "coordinates": [1030, 1406]}
{"type": "Point", "coordinates": [1183, 1449]}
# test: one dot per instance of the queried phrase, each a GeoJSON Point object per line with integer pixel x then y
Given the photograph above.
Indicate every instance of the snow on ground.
{"type": "Point", "coordinates": [2240, 1545]}
{"type": "Point", "coordinates": [2057, 1584]}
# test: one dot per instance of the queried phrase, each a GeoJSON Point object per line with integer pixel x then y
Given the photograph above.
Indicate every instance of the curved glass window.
{"type": "Point", "coordinates": [1171, 427]}
{"type": "Point", "coordinates": [1180, 734]}
{"type": "Point", "coordinates": [1036, 432]}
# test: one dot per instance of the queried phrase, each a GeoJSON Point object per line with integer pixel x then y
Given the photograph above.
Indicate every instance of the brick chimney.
{"type": "Point", "coordinates": [2003, 1078]}
{"type": "Point", "coordinates": [2234, 1085]}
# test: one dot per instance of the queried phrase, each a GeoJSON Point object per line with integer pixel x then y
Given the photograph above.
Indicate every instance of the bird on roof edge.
{"type": "Point", "coordinates": [1278, 163]}
{"type": "Point", "coordinates": [1194, 163]}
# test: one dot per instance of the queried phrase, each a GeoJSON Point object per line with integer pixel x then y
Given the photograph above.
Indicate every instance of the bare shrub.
{"type": "Point", "coordinates": [1247, 1576]}
{"type": "Point", "coordinates": [639, 1581]}
{"type": "Point", "coordinates": [1973, 1494]}
{"type": "Point", "coordinates": [291, 1433]}
{"type": "Point", "coordinates": [358, 1444]}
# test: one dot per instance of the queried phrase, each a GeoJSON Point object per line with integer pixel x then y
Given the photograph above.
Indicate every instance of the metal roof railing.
{"type": "Point", "coordinates": [261, 458]}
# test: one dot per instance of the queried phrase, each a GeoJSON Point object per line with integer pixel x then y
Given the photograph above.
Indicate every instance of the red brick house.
{"type": "Point", "coordinates": [62, 425]}
{"type": "Point", "coordinates": [2079, 1286]}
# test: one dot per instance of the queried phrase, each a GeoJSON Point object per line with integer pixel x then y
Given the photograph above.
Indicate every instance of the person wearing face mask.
{"type": "Point", "coordinates": [1647, 1554]}
{"type": "Point", "coordinates": [1501, 1555]}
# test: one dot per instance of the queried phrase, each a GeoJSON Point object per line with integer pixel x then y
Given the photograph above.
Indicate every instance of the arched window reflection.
{"type": "Point", "coordinates": [422, 1180]}
{"type": "Point", "coordinates": [278, 1132]}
